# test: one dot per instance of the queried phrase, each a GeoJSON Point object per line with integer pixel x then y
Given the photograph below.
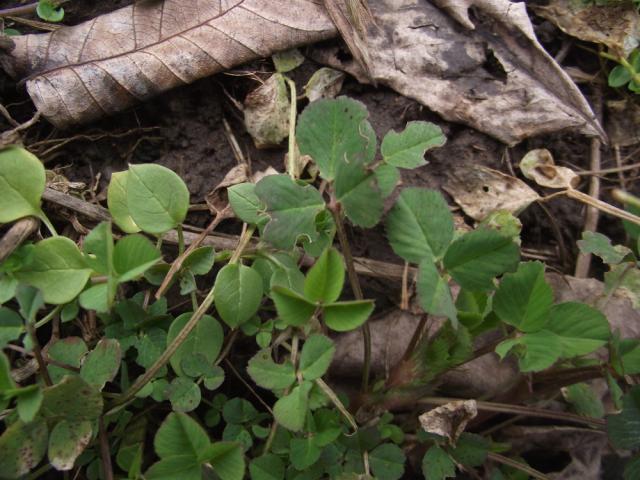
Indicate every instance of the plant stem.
{"type": "Point", "coordinates": [48, 224]}
{"type": "Point", "coordinates": [626, 197]}
{"type": "Point", "coordinates": [166, 355]}
{"type": "Point", "coordinates": [603, 206]}
{"type": "Point", "coordinates": [37, 352]}
{"type": "Point", "coordinates": [292, 163]}
{"type": "Point", "coordinates": [180, 239]}
{"type": "Point", "coordinates": [21, 10]}
{"type": "Point", "coordinates": [523, 410]}
{"type": "Point", "coordinates": [242, 244]}
{"type": "Point", "coordinates": [357, 290]}
{"type": "Point", "coordinates": [105, 454]}
{"type": "Point", "coordinates": [47, 318]}
{"type": "Point", "coordinates": [496, 457]}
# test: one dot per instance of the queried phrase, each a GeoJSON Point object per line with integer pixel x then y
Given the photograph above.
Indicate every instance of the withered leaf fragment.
{"type": "Point", "coordinates": [80, 73]}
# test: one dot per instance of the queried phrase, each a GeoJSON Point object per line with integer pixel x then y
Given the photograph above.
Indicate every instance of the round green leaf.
{"type": "Point", "coordinates": [619, 76]}
{"type": "Point", "coordinates": [57, 268]}
{"type": "Point", "coordinates": [102, 363]}
{"type": "Point", "coordinates": [238, 293]}
{"type": "Point", "coordinates": [316, 356]}
{"type": "Point", "coordinates": [238, 410]}
{"type": "Point", "coordinates": [22, 182]}
{"type": "Point", "coordinates": [157, 198]}
{"type": "Point", "coordinates": [67, 441]}
{"type": "Point", "coordinates": [184, 394]}
{"type": "Point", "coordinates": [268, 374]}
{"type": "Point", "coordinates": [205, 339]}
{"type": "Point", "coordinates": [387, 461]}
{"type": "Point", "coordinates": [68, 350]}
{"type": "Point", "coordinates": [117, 203]}
{"type": "Point", "coordinates": [132, 256]}
{"type": "Point", "coordinates": [291, 410]}
{"type": "Point", "coordinates": [437, 465]}
{"type": "Point", "coordinates": [304, 453]}
{"type": "Point", "coordinates": [345, 316]}
{"type": "Point", "coordinates": [245, 203]}
{"type": "Point", "coordinates": [23, 445]}
{"type": "Point", "coordinates": [293, 309]}
{"type": "Point", "coordinates": [49, 11]}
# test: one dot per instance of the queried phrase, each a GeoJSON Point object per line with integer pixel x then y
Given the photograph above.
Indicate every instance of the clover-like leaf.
{"type": "Point", "coordinates": [419, 225]}
{"type": "Point", "coordinates": [102, 363]}
{"type": "Point", "coordinates": [237, 293]}
{"type": "Point", "coordinates": [293, 308]}
{"type": "Point", "coordinates": [292, 209]}
{"type": "Point", "coordinates": [407, 148]}
{"type": "Point", "coordinates": [157, 198]}
{"type": "Point", "coordinates": [22, 182]}
{"type": "Point", "coordinates": [205, 339]}
{"type": "Point", "coordinates": [345, 316]}
{"type": "Point", "coordinates": [334, 130]}
{"type": "Point", "coordinates": [117, 202]}
{"type": "Point", "coordinates": [358, 193]}
{"type": "Point", "coordinates": [291, 410]}
{"type": "Point", "coordinates": [434, 293]}
{"type": "Point", "coordinates": [316, 356]}
{"type": "Point", "coordinates": [269, 374]}
{"type": "Point", "coordinates": [57, 268]}
{"type": "Point", "coordinates": [325, 279]}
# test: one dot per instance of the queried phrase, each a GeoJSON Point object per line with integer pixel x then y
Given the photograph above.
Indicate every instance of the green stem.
{"type": "Point", "coordinates": [517, 465]}
{"type": "Point", "coordinates": [357, 290]}
{"type": "Point", "coordinates": [48, 223]}
{"type": "Point", "coordinates": [180, 239]}
{"type": "Point", "coordinates": [626, 198]}
{"type": "Point", "coordinates": [47, 318]}
{"type": "Point", "coordinates": [242, 244]}
{"type": "Point", "coordinates": [37, 352]}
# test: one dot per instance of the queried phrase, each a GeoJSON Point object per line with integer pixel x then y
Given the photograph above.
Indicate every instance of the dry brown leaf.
{"type": "Point", "coordinates": [481, 190]}
{"type": "Point", "coordinates": [617, 25]}
{"type": "Point", "coordinates": [450, 419]}
{"type": "Point", "coordinates": [496, 78]}
{"type": "Point", "coordinates": [217, 198]}
{"type": "Point", "coordinates": [538, 165]}
{"type": "Point", "coordinates": [80, 73]}
{"type": "Point", "coordinates": [266, 112]}
{"type": "Point", "coordinates": [623, 122]}
{"type": "Point", "coordinates": [324, 83]}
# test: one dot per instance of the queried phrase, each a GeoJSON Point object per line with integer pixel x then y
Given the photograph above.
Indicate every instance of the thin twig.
{"type": "Point", "coordinates": [496, 457]}
{"type": "Point", "coordinates": [105, 453]}
{"type": "Point", "coordinates": [21, 10]}
{"type": "Point", "coordinates": [583, 262]}
{"type": "Point", "coordinates": [523, 410]}
{"type": "Point", "coordinates": [37, 351]}
{"type": "Point", "coordinates": [18, 233]}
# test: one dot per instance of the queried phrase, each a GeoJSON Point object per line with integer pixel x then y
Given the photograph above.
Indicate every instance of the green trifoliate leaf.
{"type": "Point", "coordinates": [304, 453]}
{"type": "Point", "coordinates": [179, 466]}
{"type": "Point", "coordinates": [57, 268]}
{"type": "Point", "coordinates": [102, 363]}
{"type": "Point", "coordinates": [205, 339]}
{"type": "Point", "coordinates": [387, 461]}
{"type": "Point", "coordinates": [420, 225]}
{"type": "Point", "coordinates": [293, 309]}
{"type": "Point", "coordinates": [345, 316]}
{"type": "Point", "coordinates": [238, 411]}
{"type": "Point", "coordinates": [524, 298]}
{"type": "Point", "coordinates": [71, 399]}
{"type": "Point", "coordinates": [316, 356]}
{"type": "Point", "coordinates": [537, 351]}
{"type": "Point", "coordinates": [357, 191]}
{"type": "Point", "coordinates": [476, 258]}
{"type": "Point", "coordinates": [335, 130]}
{"type": "Point", "coordinates": [238, 293]}
{"type": "Point", "coordinates": [292, 209]}
{"type": "Point", "coordinates": [184, 394]}
{"type": "Point", "coordinates": [325, 279]}
{"type": "Point", "coordinates": [600, 245]}
{"type": "Point", "coordinates": [624, 429]}
{"type": "Point", "coordinates": [407, 148]}
{"type": "Point", "coordinates": [581, 329]}
{"type": "Point", "coordinates": [23, 446]}
{"type": "Point", "coordinates": [117, 203]}
{"type": "Point", "coordinates": [157, 198]}
{"type": "Point", "coordinates": [437, 464]}
{"type": "Point", "coordinates": [67, 441]}
{"type": "Point", "coordinates": [291, 410]}
{"type": "Point", "coordinates": [227, 460]}
{"type": "Point", "coordinates": [268, 374]}
{"type": "Point", "coordinates": [267, 467]}
{"type": "Point", "coordinates": [179, 434]}
{"type": "Point", "coordinates": [22, 182]}
{"type": "Point", "coordinates": [434, 293]}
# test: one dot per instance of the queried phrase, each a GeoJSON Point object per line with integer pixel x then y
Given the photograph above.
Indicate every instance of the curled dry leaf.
{"type": "Point", "coordinates": [217, 198]}
{"type": "Point", "coordinates": [496, 78]}
{"type": "Point", "coordinates": [481, 190]}
{"type": "Point", "coordinates": [617, 25]}
{"type": "Point", "coordinates": [538, 165]}
{"type": "Point", "coordinates": [324, 83]}
{"type": "Point", "coordinates": [80, 73]}
{"type": "Point", "coordinates": [449, 420]}
{"type": "Point", "coordinates": [266, 112]}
